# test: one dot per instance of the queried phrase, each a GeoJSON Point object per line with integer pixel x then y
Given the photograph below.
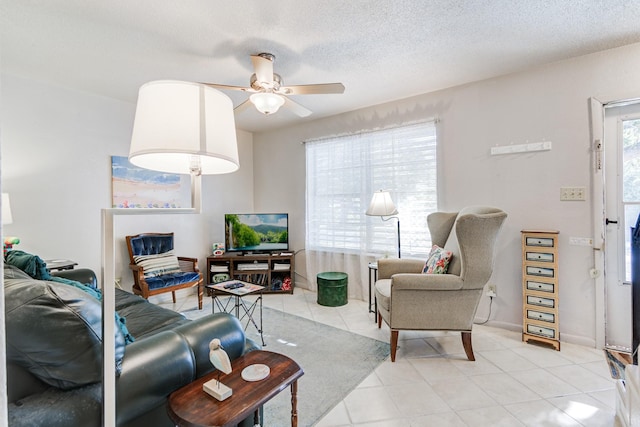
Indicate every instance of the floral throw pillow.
{"type": "Point", "coordinates": [438, 261]}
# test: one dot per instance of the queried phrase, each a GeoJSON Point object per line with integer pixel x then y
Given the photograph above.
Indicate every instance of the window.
{"type": "Point", "coordinates": [344, 172]}
{"type": "Point", "coordinates": [630, 180]}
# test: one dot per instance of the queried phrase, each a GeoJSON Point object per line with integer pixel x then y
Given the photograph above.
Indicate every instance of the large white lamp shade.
{"type": "Point", "coordinates": [184, 127]}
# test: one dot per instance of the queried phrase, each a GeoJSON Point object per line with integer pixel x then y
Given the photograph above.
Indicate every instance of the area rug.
{"type": "Point", "coordinates": [334, 363]}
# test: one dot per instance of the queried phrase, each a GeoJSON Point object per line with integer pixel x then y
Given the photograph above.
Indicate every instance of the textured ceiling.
{"type": "Point", "coordinates": [381, 50]}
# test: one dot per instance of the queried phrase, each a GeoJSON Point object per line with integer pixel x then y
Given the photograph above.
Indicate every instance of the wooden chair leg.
{"type": "Point", "coordinates": [379, 320]}
{"type": "Point", "coordinates": [173, 294]}
{"type": "Point", "coordinates": [394, 344]}
{"type": "Point", "coordinates": [200, 292]}
{"type": "Point", "coordinates": [466, 343]}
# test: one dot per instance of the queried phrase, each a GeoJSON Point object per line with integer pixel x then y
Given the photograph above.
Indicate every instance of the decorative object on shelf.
{"type": "Point", "coordinates": [220, 277]}
{"type": "Point", "coordinates": [381, 205]}
{"type": "Point", "coordinates": [286, 284]}
{"type": "Point", "coordinates": [220, 360]}
{"type": "Point", "coordinates": [218, 249]}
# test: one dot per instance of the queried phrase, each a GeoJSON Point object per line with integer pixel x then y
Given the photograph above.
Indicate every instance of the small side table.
{"type": "Point", "coordinates": [373, 276]}
{"type": "Point", "coordinates": [60, 264]}
{"type": "Point", "coordinates": [191, 406]}
{"type": "Point", "coordinates": [235, 296]}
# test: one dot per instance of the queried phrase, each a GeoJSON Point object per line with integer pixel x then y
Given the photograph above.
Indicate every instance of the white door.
{"type": "Point", "coordinates": [622, 206]}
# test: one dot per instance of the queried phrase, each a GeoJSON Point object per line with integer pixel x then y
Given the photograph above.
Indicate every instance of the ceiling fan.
{"type": "Point", "coordinates": [268, 92]}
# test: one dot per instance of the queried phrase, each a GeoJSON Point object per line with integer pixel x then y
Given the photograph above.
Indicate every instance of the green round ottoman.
{"type": "Point", "coordinates": [332, 288]}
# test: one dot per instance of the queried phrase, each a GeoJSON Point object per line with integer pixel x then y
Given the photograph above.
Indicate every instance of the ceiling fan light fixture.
{"type": "Point", "coordinates": [266, 102]}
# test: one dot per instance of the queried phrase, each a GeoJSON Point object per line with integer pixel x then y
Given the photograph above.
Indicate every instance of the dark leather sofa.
{"type": "Point", "coordinates": [54, 361]}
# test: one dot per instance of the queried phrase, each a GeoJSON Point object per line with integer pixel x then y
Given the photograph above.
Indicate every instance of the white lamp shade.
{"type": "Point", "coordinates": [182, 126]}
{"type": "Point", "coordinates": [267, 103]}
{"type": "Point", "coordinates": [381, 205]}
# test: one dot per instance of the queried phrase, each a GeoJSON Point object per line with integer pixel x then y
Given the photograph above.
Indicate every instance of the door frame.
{"type": "Point", "coordinates": [596, 122]}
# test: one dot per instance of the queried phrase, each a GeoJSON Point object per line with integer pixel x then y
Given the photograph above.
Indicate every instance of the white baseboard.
{"type": "Point", "coordinates": [573, 339]}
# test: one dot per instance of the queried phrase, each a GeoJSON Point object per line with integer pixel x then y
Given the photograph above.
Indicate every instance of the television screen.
{"type": "Point", "coordinates": [256, 232]}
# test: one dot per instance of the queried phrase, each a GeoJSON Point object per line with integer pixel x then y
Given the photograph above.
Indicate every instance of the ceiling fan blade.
{"type": "Point", "coordinates": [242, 107]}
{"type": "Point", "coordinates": [263, 68]}
{"type": "Point", "coordinates": [323, 88]}
{"type": "Point", "coordinates": [227, 87]}
{"type": "Point", "coordinates": [296, 108]}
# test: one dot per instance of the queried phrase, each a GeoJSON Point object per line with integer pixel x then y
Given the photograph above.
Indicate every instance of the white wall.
{"type": "Point", "coordinates": [57, 145]}
{"type": "Point", "coordinates": [548, 103]}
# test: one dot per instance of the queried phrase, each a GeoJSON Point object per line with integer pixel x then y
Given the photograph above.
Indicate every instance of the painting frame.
{"type": "Point", "coordinates": [133, 187]}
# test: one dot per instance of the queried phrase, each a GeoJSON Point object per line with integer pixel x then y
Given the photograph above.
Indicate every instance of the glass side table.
{"type": "Point", "coordinates": [235, 302]}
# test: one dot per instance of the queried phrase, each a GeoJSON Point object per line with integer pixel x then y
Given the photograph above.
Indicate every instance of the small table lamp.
{"type": "Point", "coordinates": [381, 205]}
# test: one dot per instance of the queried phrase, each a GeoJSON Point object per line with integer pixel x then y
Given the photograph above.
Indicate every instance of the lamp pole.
{"type": "Point", "coordinates": [398, 238]}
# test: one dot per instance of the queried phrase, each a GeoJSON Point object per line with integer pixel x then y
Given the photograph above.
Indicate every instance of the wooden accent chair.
{"type": "Point", "coordinates": [411, 300]}
{"type": "Point", "coordinates": [157, 270]}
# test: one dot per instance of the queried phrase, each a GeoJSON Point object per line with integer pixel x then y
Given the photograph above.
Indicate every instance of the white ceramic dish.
{"type": "Point", "coordinates": [255, 372]}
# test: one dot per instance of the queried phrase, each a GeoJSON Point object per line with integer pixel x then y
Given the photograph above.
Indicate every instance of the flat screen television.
{"type": "Point", "coordinates": [258, 232]}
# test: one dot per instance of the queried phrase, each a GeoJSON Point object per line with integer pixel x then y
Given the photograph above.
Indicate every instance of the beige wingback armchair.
{"type": "Point", "coordinates": [407, 299]}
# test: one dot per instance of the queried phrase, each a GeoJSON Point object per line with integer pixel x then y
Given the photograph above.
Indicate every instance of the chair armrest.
{"type": "Point", "coordinates": [387, 267]}
{"type": "Point", "coordinates": [152, 368]}
{"type": "Point", "coordinates": [426, 282]}
{"type": "Point", "coordinates": [191, 264]}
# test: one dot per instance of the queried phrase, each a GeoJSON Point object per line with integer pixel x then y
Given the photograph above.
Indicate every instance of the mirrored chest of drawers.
{"type": "Point", "coordinates": [540, 295]}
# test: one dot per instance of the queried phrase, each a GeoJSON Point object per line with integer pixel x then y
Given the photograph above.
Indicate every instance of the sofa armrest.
{"type": "Point", "coordinates": [82, 275]}
{"type": "Point", "coordinates": [251, 345]}
{"type": "Point", "coordinates": [152, 369]}
{"type": "Point", "coordinates": [200, 332]}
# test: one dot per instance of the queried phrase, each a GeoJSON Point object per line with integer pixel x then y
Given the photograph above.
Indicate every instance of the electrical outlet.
{"type": "Point", "coordinates": [573, 193]}
{"type": "Point", "coordinates": [491, 290]}
{"type": "Point", "coordinates": [580, 241]}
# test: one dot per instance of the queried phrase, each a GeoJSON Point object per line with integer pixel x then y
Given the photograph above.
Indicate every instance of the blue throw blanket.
{"type": "Point", "coordinates": [35, 267]}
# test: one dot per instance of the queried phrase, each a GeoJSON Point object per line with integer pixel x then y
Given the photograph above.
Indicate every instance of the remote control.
{"type": "Point", "coordinates": [233, 285]}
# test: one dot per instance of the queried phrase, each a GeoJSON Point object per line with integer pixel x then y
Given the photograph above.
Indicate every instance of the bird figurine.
{"type": "Point", "coordinates": [220, 360]}
{"type": "Point", "coordinates": [218, 357]}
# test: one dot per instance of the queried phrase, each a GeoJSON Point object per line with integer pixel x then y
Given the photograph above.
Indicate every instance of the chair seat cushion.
{"type": "Point", "coordinates": [172, 279]}
{"type": "Point", "coordinates": [383, 293]}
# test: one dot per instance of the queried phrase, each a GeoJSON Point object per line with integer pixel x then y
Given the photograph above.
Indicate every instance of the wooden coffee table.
{"type": "Point", "coordinates": [191, 406]}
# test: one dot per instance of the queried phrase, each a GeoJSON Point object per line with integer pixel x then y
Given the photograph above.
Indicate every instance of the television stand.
{"type": "Point", "coordinates": [273, 271]}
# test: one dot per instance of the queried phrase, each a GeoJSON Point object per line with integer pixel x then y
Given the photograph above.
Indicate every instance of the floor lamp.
{"type": "Point", "coordinates": [381, 205]}
{"type": "Point", "coordinates": [179, 127]}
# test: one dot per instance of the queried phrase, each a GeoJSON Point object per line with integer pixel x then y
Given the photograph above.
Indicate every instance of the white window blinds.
{"type": "Point", "coordinates": [344, 172]}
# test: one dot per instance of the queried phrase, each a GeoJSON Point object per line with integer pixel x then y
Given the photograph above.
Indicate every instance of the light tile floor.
{"type": "Point", "coordinates": [433, 384]}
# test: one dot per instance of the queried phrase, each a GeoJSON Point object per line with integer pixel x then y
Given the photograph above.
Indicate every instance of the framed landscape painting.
{"type": "Point", "coordinates": [135, 187]}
